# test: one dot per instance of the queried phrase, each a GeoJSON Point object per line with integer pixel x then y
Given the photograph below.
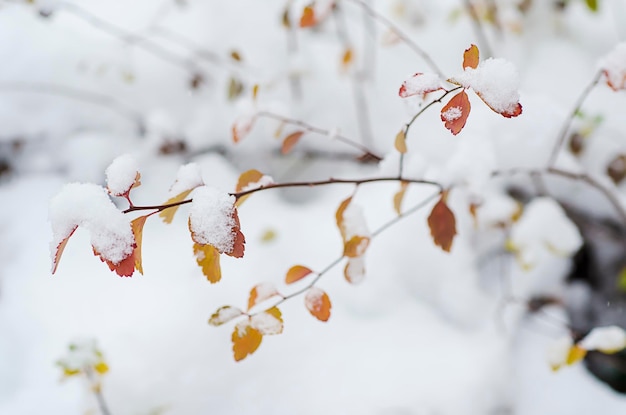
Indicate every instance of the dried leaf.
{"type": "Point", "coordinates": [473, 212]}
{"type": "Point", "coordinates": [399, 197]}
{"type": "Point", "coordinates": [354, 272]}
{"type": "Point", "coordinates": [240, 239]}
{"type": "Point", "coordinates": [242, 127]}
{"type": "Point", "coordinates": [454, 114]}
{"type": "Point", "coordinates": [235, 55]}
{"type": "Point", "coordinates": [246, 340]}
{"type": "Point", "coordinates": [208, 258]}
{"type": "Point", "coordinates": [296, 273]}
{"type": "Point", "coordinates": [225, 314]}
{"type": "Point", "coordinates": [356, 246]}
{"type": "Point", "coordinates": [60, 249]}
{"type": "Point", "coordinates": [168, 214]}
{"type": "Point", "coordinates": [442, 224]}
{"type": "Point", "coordinates": [471, 57]}
{"type": "Point", "coordinates": [255, 91]}
{"type": "Point", "coordinates": [235, 88]}
{"type": "Point", "coordinates": [339, 216]}
{"type": "Point", "coordinates": [285, 20]}
{"type": "Point", "coordinates": [260, 293]}
{"type": "Point", "coordinates": [347, 58]}
{"type": "Point", "coordinates": [290, 141]}
{"type": "Point", "coordinates": [269, 322]}
{"type": "Point", "coordinates": [400, 142]}
{"type": "Point", "coordinates": [616, 169]}
{"type": "Point", "coordinates": [308, 17]}
{"type": "Point", "coordinates": [137, 227]}
{"type": "Point", "coordinates": [318, 303]}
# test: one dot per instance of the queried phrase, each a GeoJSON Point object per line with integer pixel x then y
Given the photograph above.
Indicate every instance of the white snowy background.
{"type": "Point", "coordinates": [426, 332]}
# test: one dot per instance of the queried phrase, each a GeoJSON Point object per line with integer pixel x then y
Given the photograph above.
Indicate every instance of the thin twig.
{"type": "Point", "coordinates": [568, 121]}
{"type": "Point", "coordinates": [313, 129]}
{"type": "Point", "coordinates": [96, 387]}
{"type": "Point", "coordinates": [401, 35]}
{"type": "Point", "coordinates": [479, 30]}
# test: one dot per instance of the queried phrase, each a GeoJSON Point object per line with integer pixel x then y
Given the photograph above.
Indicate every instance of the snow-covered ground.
{"type": "Point", "coordinates": [426, 332]}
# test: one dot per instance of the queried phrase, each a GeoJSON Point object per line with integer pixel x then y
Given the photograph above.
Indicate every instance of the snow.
{"type": "Point", "coordinates": [211, 218]}
{"type": "Point", "coordinates": [266, 323]}
{"type": "Point", "coordinates": [189, 177]}
{"type": "Point", "coordinates": [88, 205]}
{"type": "Point", "coordinates": [496, 81]}
{"type": "Point", "coordinates": [121, 174]}
{"type": "Point", "coordinates": [609, 339]}
{"type": "Point", "coordinates": [354, 223]}
{"type": "Point", "coordinates": [452, 113]}
{"type": "Point", "coordinates": [420, 84]}
{"type": "Point", "coordinates": [614, 67]}
{"type": "Point", "coordinates": [558, 351]}
{"type": "Point", "coordinates": [262, 182]}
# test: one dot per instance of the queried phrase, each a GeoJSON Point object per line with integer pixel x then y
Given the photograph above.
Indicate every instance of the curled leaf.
{"type": "Point", "coordinates": [296, 273]}
{"type": "Point", "coordinates": [399, 197]}
{"type": "Point", "coordinates": [246, 340]}
{"type": "Point", "coordinates": [137, 227]}
{"type": "Point", "coordinates": [454, 114]}
{"type": "Point", "coordinates": [59, 250]}
{"type": "Point", "coordinates": [400, 142]}
{"type": "Point", "coordinates": [318, 303]}
{"type": "Point", "coordinates": [442, 224]}
{"type": "Point", "coordinates": [224, 314]}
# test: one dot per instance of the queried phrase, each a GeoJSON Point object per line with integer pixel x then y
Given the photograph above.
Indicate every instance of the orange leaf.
{"type": "Point", "coordinates": [318, 303]}
{"type": "Point", "coordinates": [268, 322]}
{"type": "Point", "coordinates": [224, 314]}
{"type": "Point", "coordinates": [354, 272]}
{"type": "Point", "coordinates": [346, 58]}
{"type": "Point", "coordinates": [517, 109]}
{"type": "Point", "coordinates": [290, 141]}
{"type": "Point", "coordinates": [442, 224]}
{"type": "Point", "coordinates": [400, 143]}
{"type": "Point", "coordinates": [242, 127]}
{"type": "Point", "coordinates": [208, 258]}
{"type": "Point", "coordinates": [471, 57]}
{"type": "Point", "coordinates": [339, 215]}
{"type": "Point", "coordinates": [399, 197]}
{"type": "Point", "coordinates": [124, 268]}
{"type": "Point", "coordinates": [260, 293]}
{"type": "Point", "coordinates": [137, 227]}
{"type": "Point", "coordinates": [575, 355]}
{"type": "Point", "coordinates": [356, 246]}
{"type": "Point", "coordinates": [296, 273]}
{"type": "Point", "coordinates": [240, 240]}
{"type": "Point", "coordinates": [454, 114]}
{"type": "Point", "coordinates": [246, 340]}
{"type": "Point", "coordinates": [59, 250]}
{"type": "Point", "coordinates": [246, 178]}
{"type": "Point", "coordinates": [168, 214]}
{"type": "Point", "coordinates": [308, 17]}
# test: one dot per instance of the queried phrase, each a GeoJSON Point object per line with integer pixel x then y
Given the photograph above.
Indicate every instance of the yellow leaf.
{"type": "Point", "coordinates": [356, 246]}
{"type": "Point", "coordinates": [208, 258]}
{"type": "Point", "coordinates": [346, 58]}
{"type": "Point", "coordinates": [400, 143]}
{"type": "Point", "coordinates": [71, 372]}
{"type": "Point", "coordinates": [245, 179]}
{"type": "Point", "coordinates": [471, 57]}
{"type": "Point", "coordinates": [246, 340]}
{"type": "Point", "coordinates": [399, 197]}
{"type": "Point", "coordinates": [318, 303]}
{"type": "Point", "coordinates": [168, 214]}
{"type": "Point", "coordinates": [296, 273]}
{"type": "Point", "coordinates": [137, 227]}
{"type": "Point", "coordinates": [339, 215]}
{"type": "Point", "coordinates": [101, 368]}
{"type": "Point", "coordinates": [575, 355]}
{"type": "Point", "coordinates": [255, 91]}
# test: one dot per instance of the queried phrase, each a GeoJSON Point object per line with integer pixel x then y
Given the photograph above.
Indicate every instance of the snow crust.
{"type": "Point", "coordinates": [189, 176]}
{"type": "Point", "coordinates": [496, 81]}
{"type": "Point", "coordinates": [266, 323]}
{"type": "Point", "coordinates": [211, 218]}
{"type": "Point", "coordinates": [121, 174]}
{"type": "Point", "coordinates": [607, 339]}
{"type": "Point", "coordinates": [452, 113]}
{"type": "Point", "coordinates": [88, 205]}
{"type": "Point", "coordinates": [421, 84]}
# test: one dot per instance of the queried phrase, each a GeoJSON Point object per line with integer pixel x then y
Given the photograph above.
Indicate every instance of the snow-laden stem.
{"type": "Point", "coordinates": [401, 35]}
{"type": "Point", "coordinates": [317, 130]}
{"type": "Point", "coordinates": [568, 121]}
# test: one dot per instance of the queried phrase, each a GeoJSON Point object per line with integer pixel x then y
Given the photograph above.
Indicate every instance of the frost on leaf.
{"type": "Point", "coordinates": [296, 273]}
{"type": "Point", "coordinates": [454, 114]}
{"type": "Point", "coordinates": [122, 175]}
{"type": "Point", "coordinates": [246, 339]}
{"type": "Point", "coordinates": [400, 142]}
{"type": "Point", "coordinates": [268, 322]}
{"type": "Point", "coordinates": [471, 57]}
{"type": "Point", "coordinates": [208, 258]}
{"type": "Point", "coordinates": [89, 206]}
{"type": "Point", "coordinates": [290, 141]}
{"type": "Point", "coordinates": [260, 293]}
{"type": "Point", "coordinates": [137, 227]}
{"type": "Point", "coordinates": [420, 84]}
{"type": "Point", "coordinates": [442, 224]}
{"type": "Point", "coordinates": [224, 314]}
{"type": "Point", "coordinates": [613, 67]}
{"type": "Point", "coordinates": [251, 179]}
{"type": "Point", "coordinates": [213, 220]}
{"type": "Point", "coordinates": [356, 246]}
{"type": "Point", "coordinates": [318, 303]}
{"type": "Point", "coordinates": [354, 272]}
{"type": "Point", "coordinates": [188, 178]}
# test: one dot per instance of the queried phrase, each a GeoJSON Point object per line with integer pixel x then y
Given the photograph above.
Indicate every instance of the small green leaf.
{"type": "Point", "coordinates": [621, 280]}
{"type": "Point", "coordinates": [592, 5]}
